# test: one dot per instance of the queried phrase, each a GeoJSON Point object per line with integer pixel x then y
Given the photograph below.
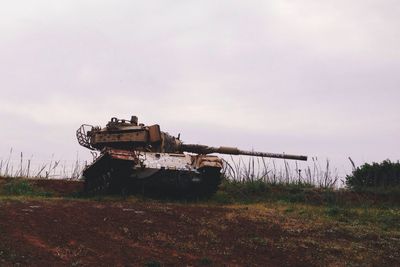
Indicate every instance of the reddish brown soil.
{"type": "Point", "coordinates": [59, 187]}
{"type": "Point", "coordinates": [117, 232]}
{"type": "Point", "coordinates": [45, 233]}
{"type": "Point", "coordinates": [130, 233]}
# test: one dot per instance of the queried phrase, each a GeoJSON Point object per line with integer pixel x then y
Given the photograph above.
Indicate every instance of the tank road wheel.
{"type": "Point", "coordinates": [185, 184]}
{"type": "Point", "coordinates": [98, 183]}
{"type": "Point", "coordinates": [210, 181]}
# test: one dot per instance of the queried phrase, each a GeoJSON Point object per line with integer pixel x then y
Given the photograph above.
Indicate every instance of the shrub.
{"type": "Point", "coordinates": [375, 175]}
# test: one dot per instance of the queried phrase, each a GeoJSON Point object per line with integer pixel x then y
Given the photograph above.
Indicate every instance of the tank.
{"type": "Point", "coordinates": [134, 157]}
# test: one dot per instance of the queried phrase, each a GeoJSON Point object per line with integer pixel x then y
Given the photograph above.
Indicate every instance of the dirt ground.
{"type": "Point", "coordinates": [137, 232]}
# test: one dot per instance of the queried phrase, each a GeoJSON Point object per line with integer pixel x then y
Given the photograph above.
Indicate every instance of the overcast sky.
{"type": "Point", "coordinates": [320, 78]}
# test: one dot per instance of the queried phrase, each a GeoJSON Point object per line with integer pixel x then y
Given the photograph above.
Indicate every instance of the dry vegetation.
{"type": "Point", "coordinates": [21, 166]}
{"type": "Point", "coordinates": [255, 169]}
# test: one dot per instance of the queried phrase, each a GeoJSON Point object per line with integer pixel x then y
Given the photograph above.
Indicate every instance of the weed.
{"type": "Point", "coordinates": [153, 263]}
{"type": "Point", "coordinates": [258, 241]}
{"type": "Point", "coordinates": [388, 218]}
{"type": "Point", "coordinates": [289, 209]}
{"type": "Point", "coordinates": [295, 197]}
{"type": "Point", "coordinates": [76, 263]}
{"type": "Point", "coordinates": [205, 262]}
{"type": "Point", "coordinates": [222, 198]}
{"type": "Point", "coordinates": [333, 211]}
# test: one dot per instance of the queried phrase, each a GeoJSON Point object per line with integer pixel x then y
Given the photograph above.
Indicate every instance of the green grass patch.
{"type": "Point", "coordinates": [259, 191]}
{"type": "Point", "coordinates": [22, 187]}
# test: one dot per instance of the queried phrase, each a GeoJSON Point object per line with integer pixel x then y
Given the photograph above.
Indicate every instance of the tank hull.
{"type": "Point", "coordinates": [156, 174]}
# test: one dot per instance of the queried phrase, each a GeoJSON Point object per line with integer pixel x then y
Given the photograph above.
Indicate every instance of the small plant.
{"type": "Point", "coordinates": [222, 197]}
{"type": "Point", "coordinates": [153, 263]}
{"type": "Point", "coordinates": [343, 214]}
{"type": "Point", "coordinates": [289, 209]}
{"type": "Point", "coordinates": [333, 211]}
{"type": "Point", "coordinates": [205, 262]}
{"type": "Point", "coordinates": [258, 240]}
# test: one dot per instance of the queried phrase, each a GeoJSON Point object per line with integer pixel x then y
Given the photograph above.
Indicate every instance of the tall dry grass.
{"type": "Point", "coordinates": [269, 171]}
{"type": "Point", "coordinates": [21, 166]}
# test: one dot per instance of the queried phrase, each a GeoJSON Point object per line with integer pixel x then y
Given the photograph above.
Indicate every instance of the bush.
{"type": "Point", "coordinates": [377, 175]}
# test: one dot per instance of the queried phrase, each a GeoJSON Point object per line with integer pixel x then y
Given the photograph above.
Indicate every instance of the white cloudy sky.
{"type": "Point", "coordinates": [311, 77]}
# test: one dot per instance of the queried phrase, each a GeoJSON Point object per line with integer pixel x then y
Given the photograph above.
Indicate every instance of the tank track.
{"type": "Point", "coordinates": [112, 176]}
{"type": "Point", "coordinates": [105, 176]}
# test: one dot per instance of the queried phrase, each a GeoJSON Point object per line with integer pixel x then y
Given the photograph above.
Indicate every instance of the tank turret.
{"type": "Point", "coordinates": [127, 134]}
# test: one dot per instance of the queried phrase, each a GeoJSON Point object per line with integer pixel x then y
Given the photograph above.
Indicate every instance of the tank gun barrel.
{"type": "Point", "coordinates": [202, 149]}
